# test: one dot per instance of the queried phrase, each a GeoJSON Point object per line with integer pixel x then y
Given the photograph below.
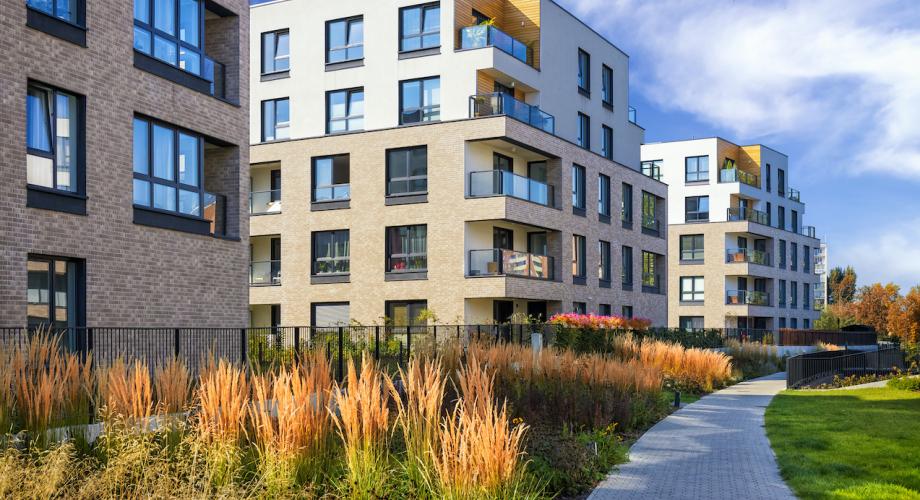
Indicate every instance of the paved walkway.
{"type": "Point", "coordinates": [711, 449]}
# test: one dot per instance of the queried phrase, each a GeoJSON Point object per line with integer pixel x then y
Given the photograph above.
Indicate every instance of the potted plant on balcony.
{"type": "Point", "coordinates": [734, 299]}
{"type": "Point", "coordinates": [739, 255]}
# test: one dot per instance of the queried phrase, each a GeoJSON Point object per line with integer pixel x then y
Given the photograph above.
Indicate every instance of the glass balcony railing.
{"type": "Point", "coordinates": [651, 170]}
{"type": "Point", "coordinates": [794, 195]}
{"type": "Point", "coordinates": [749, 214]}
{"type": "Point", "coordinates": [215, 211]}
{"type": "Point", "coordinates": [651, 224]}
{"type": "Point", "coordinates": [477, 37]}
{"type": "Point", "coordinates": [747, 255]}
{"type": "Point", "coordinates": [334, 192]}
{"type": "Point", "coordinates": [498, 262]}
{"type": "Point", "coordinates": [504, 104]}
{"type": "Point", "coordinates": [265, 202]}
{"type": "Point", "coordinates": [736, 175]}
{"type": "Point", "coordinates": [267, 272]}
{"type": "Point", "coordinates": [632, 115]}
{"type": "Point", "coordinates": [745, 297]}
{"type": "Point", "coordinates": [216, 73]}
{"type": "Point", "coordinates": [504, 183]}
{"type": "Point", "coordinates": [651, 283]}
{"type": "Point", "coordinates": [808, 231]}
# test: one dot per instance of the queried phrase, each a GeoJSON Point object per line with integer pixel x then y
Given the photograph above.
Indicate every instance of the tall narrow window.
{"type": "Point", "coordinates": [794, 294]}
{"type": "Point", "coordinates": [578, 188]}
{"type": "Point", "coordinates": [54, 132]}
{"type": "Point", "coordinates": [627, 259]}
{"type": "Point", "coordinates": [696, 208]}
{"type": "Point", "coordinates": [607, 142]}
{"type": "Point", "coordinates": [650, 222]}
{"type": "Point", "coordinates": [781, 217]}
{"type": "Point", "coordinates": [782, 253]}
{"type": "Point", "coordinates": [794, 256]}
{"type": "Point", "coordinates": [584, 131]}
{"type": "Point", "coordinates": [626, 206]}
{"type": "Point", "coordinates": [603, 263]}
{"type": "Point", "coordinates": [795, 221]}
{"type": "Point", "coordinates": [174, 36]}
{"type": "Point", "coordinates": [769, 171]}
{"type": "Point", "coordinates": [603, 196]}
{"type": "Point", "coordinates": [650, 277]}
{"type": "Point", "coordinates": [781, 182]}
{"type": "Point", "coordinates": [782, 293]}
{"type": "Point", "coordinates": [584, 72]}
{"type": "Point", "coordinates": [806, 296]}
{"type": "Point", "coordinates": [276, 51]}
{"type": "Point", "coordinates": [806, 258]}
{"type": "Point", "coordinates": [52, 289]}
{"type": "Point", "coordinates": [407, 171]}
{"type": "Point", "coordinates": [607, 86]}
{"type": "Point", "coordinates": [345, 40]}
{"type": "Point", "coordinates": [691, 248]}
{"type": "Point", "coordinates": [579, 264]}
{"type": "Point", "coordinates": [331, 252]}
{"type": "Point", "coordinates": [331, 178]}
{"type": "Point", "coordinates": [691, 289]}
{"type": "Point", "coordinates": [419, 27]}
{"type": "Point", "coordinates": [167, 168]}
{"type": "Point", "coordinates": [407, 249]}
{"type": "Point", "coordinates": [420, 100]}
{"type": "Point", "coordinates": [345, 110]}
{"type": "Point", "coordinates": [696, 169]}
{"type": "Point", "coordinates": [276, 119]}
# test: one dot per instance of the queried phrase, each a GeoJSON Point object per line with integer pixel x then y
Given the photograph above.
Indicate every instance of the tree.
{"type": "Point", "coordinates": [841, 285]}
{"type": "Point", "coordinates": [904, 317]}
{"type": "Point", "coordinates": [873, 304]}
{"type": "Point", "coordinates": [835, 317]}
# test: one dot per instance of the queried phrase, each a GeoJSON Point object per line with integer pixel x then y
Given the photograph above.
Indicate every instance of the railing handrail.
{"type": "Point", "coordinates": [493, 104]}
{"type": "Point", "coordinates": [748, 297]}
{"type": "Point", "coordinates": [793, 194]}
{"type": "Point", "coordinates": [264, 191]}
{"type": "Point", "coordinates": [750, 255]}
{"type": "Point", "coordinates": [503, 184]}
{"type": "Point", "coordinates": [529, 269]}
{"type": "Point", "coordinates": [748, 214]}
{"type": "Point", "coordinates": [518, 49]}
{"type": "Point", "coordinates": [727, 175]}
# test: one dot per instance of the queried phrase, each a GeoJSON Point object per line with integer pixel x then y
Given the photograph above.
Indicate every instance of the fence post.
{"type": "Point", "coordinates": [408, 343]}
{"type": "Point", "coordinates": [341, 353]}
{"type": "Point", "coordinates": [377, 342]}
{"type": "Point", "coordinates": [176, 343]}
{"type": "Point", "coordinates": [435, 334]}
{"type": "Point", "coordinates": [243, 346]}
{"type": "Point", "coordinates": [297, 343]}
{"type": "Point", "coordinates": [89, 340]}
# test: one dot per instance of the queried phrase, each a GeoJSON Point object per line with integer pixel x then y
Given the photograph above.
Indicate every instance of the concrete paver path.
{"type": "Point", "coordinates": [713, 448]}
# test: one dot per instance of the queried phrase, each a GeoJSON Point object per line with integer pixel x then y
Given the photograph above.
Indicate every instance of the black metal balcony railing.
{"type": "Point", "coordinates": [477, 37]}
{"type": "Point", "coordinates": [746, 255]}
{"type": "Point", "coordinates": [749, 214]}
{"type": "Point", "coordinates": [503, 104]}
{"type": "Point", "coordinates": [504, 183]}
{"type": "Point", "coordinates": [216, 73]}
{"type": "Point", "coordinates": [651, 170]}
{"type": "Point", "coordinates": [746, 297]}
{"type": "Point", "coordinates": [737, 175]}
{"type": "Point", "coordinates": [215, 212]}
{"type": "Point", "coordinates": [267, 272]}
{"type": "Point", "coordinates": [651, 224]}
{"type": "Point", "coordinates": [265, 202]}
{"type": "Point", "coordinates": [794, 194]}
{"type": "Point", "coordinates": [808, 231]}
{"type": "Point", "coordinates": [497, 262]}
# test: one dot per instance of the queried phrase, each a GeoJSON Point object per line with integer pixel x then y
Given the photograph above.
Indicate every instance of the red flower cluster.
{"type": "Point", "coordinates": [593, 321]}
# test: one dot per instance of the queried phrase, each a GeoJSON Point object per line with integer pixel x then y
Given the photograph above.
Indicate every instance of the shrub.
{"type": "Point", "coordinates": [752, 359]}
{"type": "Point", "coordinates": [573, 462]}
{"type": "Point", "coordinates": [905, 383]}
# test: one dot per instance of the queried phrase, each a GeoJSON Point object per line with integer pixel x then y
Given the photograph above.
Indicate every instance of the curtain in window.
{"type": "Point", "coordinates": [38, 120]}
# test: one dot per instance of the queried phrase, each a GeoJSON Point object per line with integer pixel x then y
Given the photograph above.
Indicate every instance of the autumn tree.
{"type": "Point", "coordinates": [873, 303]}
{"type": "Point", "coordinates": [835, 317]}
{"type": "Point", "coordinates": [904, 316]}
{"type": "Point", "coordinates": [841, 285]}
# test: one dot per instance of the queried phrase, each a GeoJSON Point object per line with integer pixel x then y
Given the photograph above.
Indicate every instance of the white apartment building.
{"type": "Point", "coordinates": [740, 255]}
{"type": "Point", "coordinates": [475, 158]}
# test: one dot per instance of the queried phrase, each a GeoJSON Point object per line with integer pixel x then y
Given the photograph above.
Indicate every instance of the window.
{"type": "Point", "coordinates": [769, 171]}
{"type": "Point", "coordinates": [502, 162]}
{"type": "Point", "coordinates": [781, 182]}
{"type": "Point", "coordinates": [276, 119]}
{"type": "Point", "coordinates": [407, 249]}
{"type": "Point", "coordinates": [782, 322]}
{"type": "Point", "coordinates": [584, 72]}
{"type": "Point", "coordinates": [603, 263]}
{"type": "Point", "coordinates": [578, 188]}
{"type": "Point", "coordinates": [652, 168]}
{"type": "Point", "coordinates": [579, 264]}
{"type": "Point", "coordinates": [330, 314]}
{"type": "Point", "coordinates": [54, 132]}
{"type": "Point", "coordinates": [696, 169]}
{"type": "Point", "coordinates": [794, 323]}
{"type": "Point", "coordinates": [626, 206]}
{"type": "Point", "coordinates": [794, 256]}
{"type": "Point", "coordinates": [419, 27]}
{"type": "Point", "coordinates": [806, 258]}
{"type": "Point", "coordinates": [650, 276]}
{"type": "Point", "coordinates": [650, 220]}
{"type": "Point", "coordinates": [607, 142]}
{"type": "Point", "coordinates": [175, 34]}
{"type": "Point", "coordinates": [407, 171]}
{"type": "Point", "coordinates": [53, 285]}
{"type": "Point", "coordinates": [167, 168]}
{"type": "Point", "coordinates": [696, 208]}
{"type": "Point", "coordinates": [68, 10]}
{"type": "Point", "coordinates": [691, 289]}
{"type": "Point", "coordinates": [795, 221]}
{"type": "Point", "coordinates": [584, 131]}
{"type": "Point", "coordinates": [579, 308]}
{"type": "Point", "coordinates": [405, 313]}
{"type": "Point", "coordinates": [603, 195]}
{"type": "Point", "coordinates": [769, 212]}
{"type": "Point", "coordinates": [690, 323]}
{"type": "Point", "coordinates": [331, 178]}
{"type": "Point", "coordinates": [604, 309]}
{"type": "Point", "coordinates": [627, 258]}
{"type": "Point", "coordinates": [344, 110]}
{"type": "Point", "coordinates": [782, 253]}
{"type": "Point", "coordinates": [330, 252]}
{"type": "Point", "coordinates": [276, 51]}
{"type": "Point", "coordinates": [782, 293]}
{"type": "Point", "coordinates": [345, 40]}
{"type": "Point", "coordinates": [806, 295]}
{"type": "Point", "coordinates": [607, 86]}
{"type": "Point", "coordinates": [627, 312]}
{"type": "Point", "coordinates": [781, 217]}
{"type": "Point", "coordinates": [420, 100]}
{"type": "Point", "coordinates": [806, 323]}
{"type": "Point", "coordinates": [691, 248]}
{"type": "Point", "coordinates": [793, 294]}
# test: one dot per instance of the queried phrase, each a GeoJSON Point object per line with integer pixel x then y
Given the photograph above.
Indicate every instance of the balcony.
{"type": "Point", "coordinates": [632, 115]}
{"type": "Point", "coordinates": [503, 183]}
{"type": "Point", "coordinates": [501, 262]}
{"type": "Point", "coordinates": [651, 224]}
{"type": "Point", "coordinates": [215, 212]}
{"type": "Point", "coordinates": [216, 73]}
{"type": "Point", "coordinates": [265, 202]}
{"type": "Point", "coordinates": [498, 103]}
{"type": "Point", "coordinates": [736, 175]}
{"type": "Point", "coordinates": [477, 37]}
{"type": "Point", "coordinates": [748, 214]}
{"type": "Point", "coordinates": [741, 255]}
{"type": "Point", "coordinates": [808, 231]}
{"type": "Point", "coordinates": [652, 169]}
{"type": "Point", "coordinates": [745, 297]}
{"type": "Point", "coordinates": [651, 283]}
{"type": "Point", "coordinates": [264, 273]}
{"type": "Point", "coordinates": [794, 195]}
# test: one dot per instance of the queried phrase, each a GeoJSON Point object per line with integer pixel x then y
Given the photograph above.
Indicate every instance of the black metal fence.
{"type": "Point", "coordinates": [804, 369]}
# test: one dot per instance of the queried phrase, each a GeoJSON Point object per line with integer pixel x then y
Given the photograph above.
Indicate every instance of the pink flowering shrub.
{"type": "Point", "coordinates": [597, 322]}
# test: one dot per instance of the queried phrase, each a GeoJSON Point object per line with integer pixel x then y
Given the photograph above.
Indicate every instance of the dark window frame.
{"type": "Point", "coordinates": [627, 264]}
{"type": "Point", "coordinates": [388, 178]}
{"type": "Point", "coordinates": [348, 45]}
{"type": "Point", "coordinates": [697, 173]}
{"type": "Point", "coordinates": [314, 260]}
{"type": "Point", "coordinates": [579, 257]}
{"type": "Point", "coordinates": [175, 183]}
{"type": "Point", "coordinates": [151, 29]}
{"type": "Point", "coordinates": [79, 292]}
{"type": "Point", "coordinates": [274, 102]}
{"type": "Point", "coordinates": [607, 142]}
{"type": "Point", "coordinates": [607, 86]}
{"type": "Point", "coordinates": [409, 304]}
{"type": "Point", "coordinates": [389, 267]}
{"type": "Point", "coordinates": [693, 294]}
{"type": "Point", "coordinates": [313, 183]}
{"type": "Point", "coordinates": [584, 131]}
{"type": "Point", "coordinates": [626, 204]}
{"type": "Point", "coordinates": [79, 152]}
{"type": "Point", "coordinates": [603, 265]}
{"type": "Point", "coordinates": [697, 215]}
{"type": "Point", "coordinates": [79, 20]}
{"type": "Point", "coordinates": [422, 108]}
{"type": "Point", "coordinates": [584, 72]}
{"type": "Point", "coordinates": [579, 188]}
{"type": "Point", "coordinates": [603, 195]}
{"type": "Point", "coordinates": [697, 253]}
{"type": "Point", "coordinates": [276, 34]}
{"type": "Point", "coordinates": [348, 116]}
{"type": "Point", "coordinates": [422, 8]}
{"type": "Point", "coordinates": [627, 311]}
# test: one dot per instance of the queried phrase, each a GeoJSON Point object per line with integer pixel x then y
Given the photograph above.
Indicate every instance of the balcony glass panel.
{"type": "Point", "coordinates": [746, 297]}
{"type": "Point", "coordinates": [476, 37]}
{"type": "Point", "coordinates": [749, 214]}
{"type": "Point", "coordinates": [504, 183]}
{"type": "Point", "coordinates": [266, 272]}
{"type": "Point", "coordinates": [265, 202]}
{"type": "Point", "coordinates": [736, 175]}
{"type": "Point", "coordinates": [503, 104]}
{"type": "Point", "coordinates": [747, 255]}
{"type": "Point", "coordinates": [498, 262]}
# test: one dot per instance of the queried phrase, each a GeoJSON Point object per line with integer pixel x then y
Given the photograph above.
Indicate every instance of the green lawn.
{"type": "Point", "coordinates": [855, 444]}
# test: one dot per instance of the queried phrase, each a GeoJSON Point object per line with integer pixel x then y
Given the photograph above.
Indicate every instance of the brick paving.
{"type": "Point", "coordinates": [711, 449]}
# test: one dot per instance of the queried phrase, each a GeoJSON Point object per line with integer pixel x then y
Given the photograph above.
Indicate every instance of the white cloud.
{"type": "Point", "coordinates": [840, 75]}
{"type": "Point", "coordinates": [881, 255]}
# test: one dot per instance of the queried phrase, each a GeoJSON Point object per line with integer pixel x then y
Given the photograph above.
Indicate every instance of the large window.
{"type": "Point", "coordinates": [781, 182]}
{"type": "Point", "coordinates": [332, 178]}
{"type": "Point", "coordinates": [782, 293]}
{"type": "Point", "coordinates": [167, 168]}
{"type": "Point", "coordinates": [419, 27]}
{"type": "Point", "coordinates": [607, 142]}
{"type": "Point", "coordinates": [691, 248]}
{"type": "Point", "coordinates": [603, 195]}
{"type": "Point", "coordinates": [330, 314]}
{"type": "Point", "coordinates": [420, 100]}
{"type": "Point", "coordinates": [696, 208]}
{"type": "Point", "coordinates": [276, 51]}
{"type": "Point", "coordinates": [344, 110]}
{"type": "Point", "coordinates": [650, 276]}
{"type": "Point", "coordinates": [579, 264]}
{"type": "Point", "coordinates": [54, 132]}
{"type": "Point", "coordinates": [578, 187]}
{"type": "Point", "coordinates": [330, 252]}
{"type": "Point", "coordinates": [607, 86]}
{"type": "Point", "coordinates": [345, 40]}
{"type": "Point", "coordinates": [782, 253]}
{"type": "Point", "coordinates": [781, 217]}
{"type": "Point", "coordinates": [407, 249]}
{"type": "Point", "coordinates": [405, 313]}
{"type": "Point", "coordinates": [627, 259]}
{"type": "Point", "coordinates": [68, 10]}
{"type": "Point", "coordinates": [794, 256]}
{"type": "Point", "coordinates": [626, 206]}
{"type": "Point", "coordinates": [584, 71]}
{"type": "Point", "coordinates": [52, 292]}
{"type": "Point", "coordinates": [690, 323]}
{"type": "Point", "coordinates": [793, 294]}
{"type": "Point", "coordinates": [584, 131]}
{"type": "Point", "coordinates": [276, 119]}
{"type": "Point", "coordinates": [171, 31]}
{"type": "Point", "coordinates": [650, 220]}
{"type": "Point", "coordinates": [603, 263]}
{"type": "Point", "coordinates": [696, 168]}
{"type": "Point", "coordinates": [407, 171]}
{"type": "Point", "coordinates": [691, 289]}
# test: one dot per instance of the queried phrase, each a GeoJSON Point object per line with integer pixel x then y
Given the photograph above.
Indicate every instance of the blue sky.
{"type": "Point", "coordinates": [834, 84]}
